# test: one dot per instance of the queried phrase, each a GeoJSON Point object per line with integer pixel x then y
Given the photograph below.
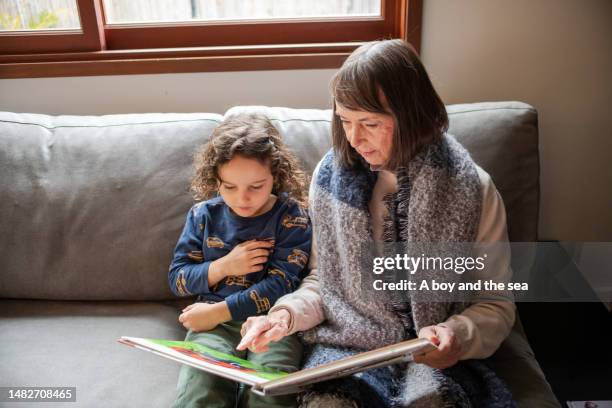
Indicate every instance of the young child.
{"type": "Point", "coordinates": [239, 252]}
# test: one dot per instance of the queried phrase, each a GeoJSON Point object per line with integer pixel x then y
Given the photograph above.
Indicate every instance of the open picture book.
{"type": "Point", "coordinates": [266, 381]}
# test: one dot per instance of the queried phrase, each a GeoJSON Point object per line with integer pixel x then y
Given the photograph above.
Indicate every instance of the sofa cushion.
{"type": "Point", "coordinates": [305, 131]}
{"type": "Point", "coordinates": [92, 206]}
{"type": "Point", "coordinates": [515, 363]}
{"type": "Point", "coordinates": [502, 137]}
{"type": "Point", "coordinates": [73, 344]}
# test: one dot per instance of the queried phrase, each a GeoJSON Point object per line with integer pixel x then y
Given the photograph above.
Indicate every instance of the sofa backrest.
{"type": "Point", "coordinates": [92, 206]}
{"type": "Point", "coordinates": [502, 138]}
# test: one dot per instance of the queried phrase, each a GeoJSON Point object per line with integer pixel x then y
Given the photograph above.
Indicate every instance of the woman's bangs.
{"type": "Point", "coordinates": [357, 93]}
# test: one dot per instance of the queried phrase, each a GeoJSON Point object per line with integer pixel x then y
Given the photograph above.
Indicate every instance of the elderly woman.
{"type": "Point", "coordinates": [394, 175]}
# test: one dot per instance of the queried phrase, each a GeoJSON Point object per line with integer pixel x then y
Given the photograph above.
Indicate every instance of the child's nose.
{"type": "Point", "coordinates": [245, 197]}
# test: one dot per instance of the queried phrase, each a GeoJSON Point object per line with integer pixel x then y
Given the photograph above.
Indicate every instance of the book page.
{"type": "Point", "coordinates": [207, 359]}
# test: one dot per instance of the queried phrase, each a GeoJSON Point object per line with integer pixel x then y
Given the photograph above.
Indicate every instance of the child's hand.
{"type": "Point", "coordinates": [204, 316]}
{"type": "Point", "coordinates": [245, 258]}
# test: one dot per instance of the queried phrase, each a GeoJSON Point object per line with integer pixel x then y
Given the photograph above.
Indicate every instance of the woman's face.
{"type": "Point", "coordinates": [369, 133]}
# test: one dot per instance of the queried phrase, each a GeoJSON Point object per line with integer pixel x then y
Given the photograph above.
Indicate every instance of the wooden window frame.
{"type": "Point", "coordinates": [88, 38]}
{"type": "Point", "coordinates": [115, 49]}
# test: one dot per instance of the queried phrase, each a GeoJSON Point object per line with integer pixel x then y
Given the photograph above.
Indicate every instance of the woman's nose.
{"type": "Point", "coordinates": [353, 136]}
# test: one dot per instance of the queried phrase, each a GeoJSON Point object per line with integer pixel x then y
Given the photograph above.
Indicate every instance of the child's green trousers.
{"type": "Point", "coordinates": [196, 388]}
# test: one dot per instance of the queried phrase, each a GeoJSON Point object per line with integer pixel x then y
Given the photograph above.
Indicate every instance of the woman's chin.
{"type": "Point", "coordinates": [373, 161]}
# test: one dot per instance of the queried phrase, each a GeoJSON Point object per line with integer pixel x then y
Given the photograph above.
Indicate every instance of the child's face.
{"type": "Point", "coordinates": [246, 186]}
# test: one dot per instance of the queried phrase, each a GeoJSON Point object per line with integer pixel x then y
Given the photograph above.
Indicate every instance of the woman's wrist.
{"type": "Point", "coordinates": [280, 316]}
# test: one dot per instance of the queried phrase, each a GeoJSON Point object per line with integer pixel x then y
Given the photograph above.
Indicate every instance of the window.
{"type": "Point", "coordinates": [39, 15]}
{"type": "Point", "coordinates": [97, 37]}
{"type": "Point", "coordinates": [128, 11]}
{"type": "Point", "coordinates": [45, 26]}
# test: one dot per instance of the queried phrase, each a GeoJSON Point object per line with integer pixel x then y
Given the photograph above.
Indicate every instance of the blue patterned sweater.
{"type": "Point", "coordinates": [212, 230]}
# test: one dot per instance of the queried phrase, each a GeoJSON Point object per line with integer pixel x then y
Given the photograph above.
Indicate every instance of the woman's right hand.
{"type": "Point", "coordinates": [258, 331]}
{"type": "Point", "coordinates": [245, 258]}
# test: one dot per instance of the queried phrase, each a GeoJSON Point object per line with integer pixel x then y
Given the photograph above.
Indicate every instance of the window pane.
{"type": "Point", "coordinates": [17, 15]}
{"type": "Point", "coordinates": [146, 11]}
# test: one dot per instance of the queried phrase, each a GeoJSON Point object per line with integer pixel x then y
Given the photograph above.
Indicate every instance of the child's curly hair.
{"type": "Point", "coordinates": [252, 136]}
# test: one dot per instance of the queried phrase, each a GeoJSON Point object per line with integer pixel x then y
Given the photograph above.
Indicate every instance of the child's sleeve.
{"type": "Point", "coordinates": [188, 273]}
{"type": "Point", "coordinates": [287, 261]}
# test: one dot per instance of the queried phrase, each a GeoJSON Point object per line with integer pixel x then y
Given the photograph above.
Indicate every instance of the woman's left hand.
{"type": "Point", "coordinates": [448, 352]}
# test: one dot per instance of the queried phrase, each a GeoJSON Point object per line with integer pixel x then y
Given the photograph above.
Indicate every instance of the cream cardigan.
{"type": "Point", "coordinates": [480, 328]}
